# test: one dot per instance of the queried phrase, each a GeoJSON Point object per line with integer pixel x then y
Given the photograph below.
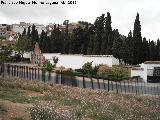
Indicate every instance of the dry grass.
{"type": "Point", "coordinates": [62, 102]}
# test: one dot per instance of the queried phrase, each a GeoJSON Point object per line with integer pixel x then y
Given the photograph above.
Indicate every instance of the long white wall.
{"type": "Point", "coordinates": [77, 61]}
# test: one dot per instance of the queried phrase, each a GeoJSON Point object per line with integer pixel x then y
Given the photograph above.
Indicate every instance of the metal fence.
{"type": "Point", "coordinates": [36, 73]}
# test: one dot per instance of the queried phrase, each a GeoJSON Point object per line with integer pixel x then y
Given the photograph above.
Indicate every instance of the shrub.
{"type": "Point", "coordinates": [68, 71]}
{"type": "Point", "coordinates": [103, 69]}
{"type": "Point", "coordinates": [118, 73]}
{"type": "Point", "coordinates": [87, 67]}
{"type": "Point", "coordinates": [48, 66]}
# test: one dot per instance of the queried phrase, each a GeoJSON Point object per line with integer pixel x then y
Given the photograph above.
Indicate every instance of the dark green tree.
{"type": "Point", "coordinates": [137, 42]}
{"type": "Point", "coordinates": [99, 31]}
{"type": "Point", "coordinates": [106, 43]}
{"type": "Point", "coordinates": [24, 32]}
{"type": "Point", "coordinates": [29, 32]}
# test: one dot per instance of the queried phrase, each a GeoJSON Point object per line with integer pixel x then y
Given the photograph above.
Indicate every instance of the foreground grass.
{"type": "Point", "coordinates": [67, 103]}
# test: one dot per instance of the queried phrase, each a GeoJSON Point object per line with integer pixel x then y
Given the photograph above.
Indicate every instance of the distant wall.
{"type": "Point", "coordinates": [77, 61]}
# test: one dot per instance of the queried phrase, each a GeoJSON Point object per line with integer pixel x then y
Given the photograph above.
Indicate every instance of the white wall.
{"type": "Point", "coordinates": [77, 61]}
{"type": "Point", "coordinates": [147, 70]}
{"type": "Point", "coordinates": [27, 55]}
{"type": "Point", "coordinates": [20, 28]}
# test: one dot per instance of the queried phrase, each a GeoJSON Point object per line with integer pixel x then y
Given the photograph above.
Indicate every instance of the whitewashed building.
{"type": "Point", "coordinates": [77, 61]}
{"type": "Point", "coordinates": [145, 69]}
{"type": "Point", "coordinates": [19, 28]}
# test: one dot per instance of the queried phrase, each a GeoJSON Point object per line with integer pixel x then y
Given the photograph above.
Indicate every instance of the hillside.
{"type": "Point", "coordinates": [23, 99]}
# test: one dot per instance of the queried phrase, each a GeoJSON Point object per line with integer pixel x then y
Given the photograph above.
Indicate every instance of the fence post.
{"type": "Point", "coordinates": [92, 82]}
{"type": "Point", "coordinates": [116, 87]}
{"type": "Point", "coordinates": [8, 69]}
{"type": "Point", "coordinates": [43, 75]}
{"type": "Point", "coordinates": [104, 85]}
{"type": "Point", "coordinates": [124, 87]}
{"type": "Point", "coordinates": [135, 88]}
{"type": "Point", "coordinates": [61, 77]}
{"type": "Point", "coordinates": [108, 85]}
{"type": "Point", "coordinates": [35, 71]}
{"type": "Point", "coordinates": [2, 69]}
{"type": "Point", "coordinates": [120, 86]}
{"type": "Point", "coordinates": [24, 72]}
{"type": "Point", "coordinates": [27, 72]}
{"type": "Point", "coordinates": [84, 84]}
{"type": "Point", "coordinates": [112, 84]}
{"type": "Point", "coordinates": [99, 83]}
{"type": "Point", "coordinates": [38, 73]}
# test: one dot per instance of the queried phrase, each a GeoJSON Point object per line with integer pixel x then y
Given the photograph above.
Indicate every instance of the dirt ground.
{"type": "Point", "coordinates": [18, 110]}
{"type": "Point", "coordinates": [15, 110]}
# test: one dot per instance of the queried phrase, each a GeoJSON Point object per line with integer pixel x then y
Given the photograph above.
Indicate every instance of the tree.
{"type": "Point", "coordinates": [29, 32]}
{"type": "Point", "coordinates": [152, 50]}
{"type": "Point", "coordinates": [107, 34]}
{"type": "Point", "coordinates": [87, 68]}
{"type": "Point", "coordinates": [137, 41]}
{"type": "Point", "coordinates": [76, 40]}
{"type": "Point", "coordinates": [23, 45]}
{"type": "Point", "coordinates": [5, 53]}
{"type": "Point", "coordinates": [90, 45]}
{"type": "Point", "coordinates": [145, 49]}
{"type": "Point", "coordinates": [42, 41]}
{"type": "Point", "coordinates": [129, 43]}
{"type": "Point", "coordinates": [99, 31]}
{"type": "Point", "coordinates": [34, 35]}
{"type": "Point", "coordinates": [124, 52]}
{"type": "Point", "coordinates": [56, 40]}
{"type": "Point", "coordinates": [117, 47]}
{"type": "Point", "coordinates": [158, 49]}
{"type": "Point", "coordinates": [24, 32]}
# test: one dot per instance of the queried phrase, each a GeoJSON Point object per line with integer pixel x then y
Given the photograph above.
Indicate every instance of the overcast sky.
{"type": "Point", "coordinates": [123, 13]}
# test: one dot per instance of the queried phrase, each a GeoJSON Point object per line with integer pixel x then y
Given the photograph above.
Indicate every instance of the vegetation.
{"type": "Point", "coordinates": [118, 73]}
{"type": "Point", "coordinates": [97, 39]}
{"type": "Point", "coordinates": [87, 68]}
{"type": "Point", "coordinates": [5, 53]}
{"type": "Point", "coordinates": [67, 103]}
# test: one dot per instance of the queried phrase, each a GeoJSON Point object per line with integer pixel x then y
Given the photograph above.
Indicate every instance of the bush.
{"type": "Point", "coordinates": [48, 66]}
{"type": "Point", "coordinates": [118, 73]}
{"type": "Point", "coordinates": [103, 69]}
{"type": "Point", "coordinates": [68, 71]}
{"type": "Point", "coordinates": [87, 68]}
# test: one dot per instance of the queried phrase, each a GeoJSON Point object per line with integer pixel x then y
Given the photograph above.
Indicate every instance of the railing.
{"type": "Point", "coordinates": [36, 73]}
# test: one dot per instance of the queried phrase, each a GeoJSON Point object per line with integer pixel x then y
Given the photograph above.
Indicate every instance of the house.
{"type": "Point", "coordinates": [146, 70]}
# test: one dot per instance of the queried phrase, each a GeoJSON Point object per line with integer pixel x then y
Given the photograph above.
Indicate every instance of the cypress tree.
{"type": "Point", "coordinates": [42, 41]}
{"type": "Point", "coordinates": [152, 50]}
{"type": "Point", "coordinates": [117, 44]}
{"type": "Point", "coordinates": [137, 41]}
{"type": "Point", "coordinates": [124, 52]}
{"type": "Point", "coordinates": [29, 32]}
{"type": "Point", "coordinates": [99, 31]}
{"type": "Point", "coordinates": [158, 49]}
{"type": "Point", "coordinates": [106, 43]}
{"type": "Point", "coordinates": [129, 42]}
{"type": "Point", "coordinates": [145, 49]}
{"type": "Point", "coordinates": [24, 32]}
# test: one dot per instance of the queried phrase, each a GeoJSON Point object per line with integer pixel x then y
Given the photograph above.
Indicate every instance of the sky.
{"type": "Point", "coordinates": [123, 13]}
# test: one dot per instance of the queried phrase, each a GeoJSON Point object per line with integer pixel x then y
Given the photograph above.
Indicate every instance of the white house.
{"type": "Point", "coordinates": [19, 28]}
{"type": "Point", "coordinates": [145, 69]}
{"type": "Point", "coordinates": [77, 61]}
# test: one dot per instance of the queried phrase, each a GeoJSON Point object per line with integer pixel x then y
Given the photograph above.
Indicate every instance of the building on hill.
{"type": "Point", "coordinates": [19, 28]}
